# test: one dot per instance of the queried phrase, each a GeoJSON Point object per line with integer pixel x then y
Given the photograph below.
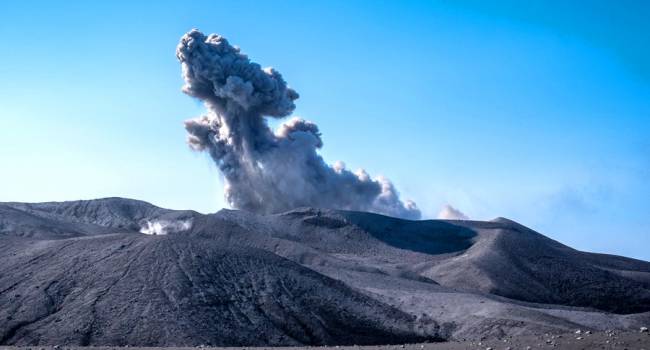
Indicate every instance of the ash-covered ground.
{"type": "Point", "coordinates": [578, 340]}
{"type": "Point", "coordinates": [117, 272]}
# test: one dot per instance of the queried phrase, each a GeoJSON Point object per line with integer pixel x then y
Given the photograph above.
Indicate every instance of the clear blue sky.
{"type": "Point", "coordinates": [537, 111]}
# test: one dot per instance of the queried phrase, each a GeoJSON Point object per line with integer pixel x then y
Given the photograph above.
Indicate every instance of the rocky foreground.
{"type": "Point", "coordinates": [631, 340]}
{"type": "Point", "coordinates": [120, 272]}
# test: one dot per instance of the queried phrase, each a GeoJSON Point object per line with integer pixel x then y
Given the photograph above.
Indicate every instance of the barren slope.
{"type": "Point", "coordinates": [81, 273]}
{"type": "Point", "coordinates": [133, 289]}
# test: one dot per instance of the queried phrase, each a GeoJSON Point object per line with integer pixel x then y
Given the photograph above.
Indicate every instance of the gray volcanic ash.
{"type": "Point", "coordinates": [81, 273]}
{"type": "Point", "coordinates": [267, 171]}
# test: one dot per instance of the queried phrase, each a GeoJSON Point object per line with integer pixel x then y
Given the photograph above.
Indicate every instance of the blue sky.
{"type": "Point", "coordinates": [536, 111]}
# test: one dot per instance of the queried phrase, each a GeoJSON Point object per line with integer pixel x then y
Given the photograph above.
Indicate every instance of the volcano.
{"type": "Point", "coordinates": [96, 273]}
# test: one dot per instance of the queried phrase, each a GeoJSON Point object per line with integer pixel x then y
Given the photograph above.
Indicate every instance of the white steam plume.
{"type": "Point", "coordinates": [268, 171]}
{"type": "Point", "coordinates": [163, 227]}
{"type": "Point", "coordinates": [450, 213]}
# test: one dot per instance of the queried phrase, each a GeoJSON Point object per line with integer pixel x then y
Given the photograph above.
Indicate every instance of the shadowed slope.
{"type": "Point", "coordinates": [511, 260]}
{"type": "Point", "coordinates": [499, 257]}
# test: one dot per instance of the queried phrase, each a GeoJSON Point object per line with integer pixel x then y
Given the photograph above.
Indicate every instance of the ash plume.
{"type": "Point", "coordinates": [268, 171]}
{"type": "Point", "coordinates": [450, 213]}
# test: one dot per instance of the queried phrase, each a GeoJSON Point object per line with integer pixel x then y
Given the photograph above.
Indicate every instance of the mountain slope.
{"type": "Point", "coordinates": [117, 213]}
{"type": "Point", "coordinates": [128, 289]}
{"type": "Point", "coordinates": [83, 273]}
{"type": "Point", "coordinates": [513, 261]}
{"type": "Point", "coordinates": [499, 257]}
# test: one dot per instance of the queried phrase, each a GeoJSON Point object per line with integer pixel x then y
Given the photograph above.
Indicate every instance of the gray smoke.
{"type": "Point", "coordinates": [450, 213]}
{"type": "Point", "coordinates": [267, 171]}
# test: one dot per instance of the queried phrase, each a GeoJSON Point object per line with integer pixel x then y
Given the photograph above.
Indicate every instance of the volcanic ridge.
{"type": "Point", "coordinates": [117, 272]}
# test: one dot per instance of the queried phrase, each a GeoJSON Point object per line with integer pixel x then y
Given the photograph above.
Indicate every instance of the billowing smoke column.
{"type": "Point", "coordinates": [268, 171]}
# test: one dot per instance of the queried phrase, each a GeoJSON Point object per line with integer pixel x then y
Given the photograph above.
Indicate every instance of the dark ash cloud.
{"type": "Point", "coordinates": [267, 171]}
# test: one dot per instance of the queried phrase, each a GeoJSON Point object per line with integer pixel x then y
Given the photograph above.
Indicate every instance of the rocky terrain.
{"type": "Point", "coordinates": [124, 272]}
{"type": "Point", "coordinates": [578, 340]}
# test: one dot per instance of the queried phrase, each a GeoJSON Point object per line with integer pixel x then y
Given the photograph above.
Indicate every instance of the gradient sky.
{"type": "Point", "coordinates": [538, 111]}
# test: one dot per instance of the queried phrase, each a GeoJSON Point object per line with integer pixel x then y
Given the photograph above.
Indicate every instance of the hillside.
{"type": "Point", "coordinates": [83, 273]}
